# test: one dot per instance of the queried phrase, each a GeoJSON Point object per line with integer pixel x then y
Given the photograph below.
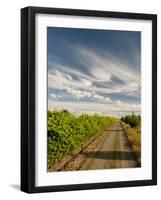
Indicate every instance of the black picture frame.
{"type": "Point", "coordinates": [28, 98]}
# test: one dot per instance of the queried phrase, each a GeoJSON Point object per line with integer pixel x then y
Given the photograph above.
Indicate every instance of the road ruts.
{"type": "Point", "coordinates": [114, 152]}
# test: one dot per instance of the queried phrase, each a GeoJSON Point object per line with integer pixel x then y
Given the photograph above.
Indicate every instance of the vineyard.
{"type": "Point", "coordinates": [67, 131]}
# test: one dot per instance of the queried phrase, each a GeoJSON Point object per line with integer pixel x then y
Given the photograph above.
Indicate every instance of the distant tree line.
{"type": "Point", "coordinates": [133, 120]}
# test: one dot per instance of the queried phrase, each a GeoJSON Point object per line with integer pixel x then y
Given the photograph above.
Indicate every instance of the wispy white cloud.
{"type": "Point", "coordinates": [103, 66]}
{"type": "Point", "coordinates": [54, 96]}
{"type": "Point", "coordinates": [86, 82]}
{"type": "Point", "coordinates": [95, 85]}
{"type": "Point", "coordinates": [101, 69]}
{"type": "Point", "coordinates": [79, 93]}
{"type": "Point", "coordinates": [93, 107]}
{"type": "Point", "coordinates": [81, 88]}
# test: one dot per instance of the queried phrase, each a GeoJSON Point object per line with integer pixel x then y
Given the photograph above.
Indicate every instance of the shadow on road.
{"type": "Point", "coordinates": [111, 155]}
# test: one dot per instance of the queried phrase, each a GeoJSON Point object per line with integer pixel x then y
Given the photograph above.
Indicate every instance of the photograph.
{"type": "Point", "coordinates": [94, 99]}
{"type": "Point", "coordinates": [89, 99]}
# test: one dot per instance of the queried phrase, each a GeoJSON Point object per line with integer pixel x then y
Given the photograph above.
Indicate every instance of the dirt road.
{"type": "Point", "coordinates": [114, 152]}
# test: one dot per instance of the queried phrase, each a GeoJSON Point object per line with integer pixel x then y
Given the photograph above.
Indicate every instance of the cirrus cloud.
{"type": "Point", "coordinates": [94, 80]}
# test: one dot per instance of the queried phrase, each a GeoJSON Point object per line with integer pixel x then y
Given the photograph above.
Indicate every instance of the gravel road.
{"type": "Point", "coordinates": [114, 152]}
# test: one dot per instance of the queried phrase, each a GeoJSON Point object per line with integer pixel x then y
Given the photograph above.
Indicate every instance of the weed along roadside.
{"type": "Point", "coordinates": [134, 136]}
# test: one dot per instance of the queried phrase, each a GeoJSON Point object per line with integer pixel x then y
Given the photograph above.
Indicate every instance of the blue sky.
{"type": "Point", "coordinates": [94, 71]}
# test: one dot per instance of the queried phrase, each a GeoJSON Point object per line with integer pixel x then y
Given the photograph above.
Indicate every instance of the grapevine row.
{"type": "Point", "coordinates": [67, 131]}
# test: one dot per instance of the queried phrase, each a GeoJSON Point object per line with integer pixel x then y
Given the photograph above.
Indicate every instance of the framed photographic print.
{"type": "Point", "coordinates": [88, 99]}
